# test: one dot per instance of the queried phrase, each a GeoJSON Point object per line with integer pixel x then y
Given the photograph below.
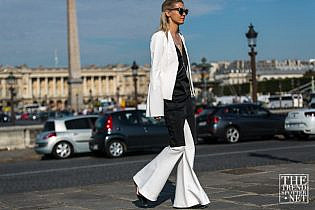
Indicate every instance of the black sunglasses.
{"type": "Point", "coordinates": [181, 11]}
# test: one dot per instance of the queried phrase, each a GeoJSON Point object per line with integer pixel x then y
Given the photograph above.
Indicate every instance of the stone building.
{"type": "Point", "coordinates": [49, 86]}
{"type": "Point", "coordinates": [239, 72]}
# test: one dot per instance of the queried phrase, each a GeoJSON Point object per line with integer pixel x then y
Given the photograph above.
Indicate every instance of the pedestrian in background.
{"type": "Point", "coordinates": [171, 95]}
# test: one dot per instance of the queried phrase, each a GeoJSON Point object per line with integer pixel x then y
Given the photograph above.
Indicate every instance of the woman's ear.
{"type": "Point", "coordinates": [167, 13]}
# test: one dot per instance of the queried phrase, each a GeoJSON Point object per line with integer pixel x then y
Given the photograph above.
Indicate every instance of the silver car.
{"type": "Point", "coordinates": [65, 136]}
{"type": "Point", "coordinates": [301, 123]}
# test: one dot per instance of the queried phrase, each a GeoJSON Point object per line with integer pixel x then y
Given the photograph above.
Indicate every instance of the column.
{"type": "Point", "coordinates": [3, 87]}
{"type": "Point", "coordinates": [30, 88]}
{"type": "Point", "coordinates": [46, 86]}
{"type": "Point", "coordinates": [100, 86]}
{"type": "Point", "coordinates": [38, 87]}
{"type": "Point", "coordinates": [85, 88]}
{"type": "Point", "coordinates": [107, 85]}
{"type": "Point", "coordinates": [62, 87]}
{"type": "Point", "coordinates": [92, 85]}
{"type": "Point", "coordinates": [54, 87]}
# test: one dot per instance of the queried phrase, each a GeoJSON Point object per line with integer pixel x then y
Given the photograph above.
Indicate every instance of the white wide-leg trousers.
{"type": "Point", "coordinates": [152, 178]}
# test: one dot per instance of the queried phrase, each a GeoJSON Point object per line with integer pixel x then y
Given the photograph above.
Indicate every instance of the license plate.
{"type": "Point", "coordinates": [202, 123]}
{"type": "Point", "coordinates": [295, 125]}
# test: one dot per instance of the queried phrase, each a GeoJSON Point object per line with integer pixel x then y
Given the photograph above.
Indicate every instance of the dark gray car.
{"type": "Point", "coordinates": [239, 121]}
{"type": "Point", "coordinates": [117, 132]}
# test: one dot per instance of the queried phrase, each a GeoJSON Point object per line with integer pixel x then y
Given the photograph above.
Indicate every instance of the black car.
{"type": "Point", "coordinates": [117, 132]}
{"type": "Point", "coordinates": [239, 121]}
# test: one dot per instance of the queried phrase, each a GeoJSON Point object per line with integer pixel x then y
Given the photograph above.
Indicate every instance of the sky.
{"type": "Point", "coordinates": [119, 31]}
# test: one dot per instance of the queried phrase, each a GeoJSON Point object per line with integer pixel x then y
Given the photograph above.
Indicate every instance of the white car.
{"type": "Point", "coordinates": [65, 136]}
{"type": "Point", "coordinates": [301, 123]}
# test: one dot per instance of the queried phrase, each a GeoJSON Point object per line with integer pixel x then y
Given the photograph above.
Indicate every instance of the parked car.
{"type": "Point", "coordinates": [301, 123]}
{"type": "Point", "coordinates": [65, 136]}
{"type": "Point", "coordinates": [239, 121]}
{"type": "Point", "coordinates": [129, 130]}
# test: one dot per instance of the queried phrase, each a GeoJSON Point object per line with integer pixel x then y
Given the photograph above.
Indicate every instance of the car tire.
{"type": "Point", "coordinates": [302, 136]}
{"type": "Point", "coordinates": [115, 148]}
{"type": "Point", "coordinates": [62, 150]}
{"type": "Point", "coordinates": [232, 134]}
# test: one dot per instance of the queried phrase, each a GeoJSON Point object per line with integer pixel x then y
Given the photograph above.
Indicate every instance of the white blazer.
{"type": "Point", "coordinates": [164, 66]}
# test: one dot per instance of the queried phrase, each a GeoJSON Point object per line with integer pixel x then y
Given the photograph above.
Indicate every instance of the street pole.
{"type": "Point", "coordinates": [134, 69]}
{"type": "Point", "coordinates": [12, 106]}
{"type": "Point", "coordinates": [11, 80]}
{"type": "Point", "coordinates": [136, 92]}
{"type": "Point", "coordinates": [251, 37]}
{"type": "Point", "coordinates": [252, 55]}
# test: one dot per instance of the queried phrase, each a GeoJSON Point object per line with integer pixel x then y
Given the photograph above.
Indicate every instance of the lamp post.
{"type": "Point", "coordinates": [90, 98]}
{"type": "Point", "coordinates": [204, 66]}
{"type": "Point", "coordinates": [135, 68]}
{"type": "Point", "coordinates": [251, 37]}
{"type": "Point", "coordinates": [117, 97]}
{"type": "Point", "coordinates": [11, 79]}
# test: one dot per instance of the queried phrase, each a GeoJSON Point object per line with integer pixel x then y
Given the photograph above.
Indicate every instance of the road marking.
{"type": "Point", "coordinates": [144, 161]}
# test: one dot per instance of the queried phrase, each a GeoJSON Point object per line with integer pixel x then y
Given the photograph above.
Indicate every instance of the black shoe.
{"type": "Point", "coordinates": [143, 201]}
{"type": "Point", "coordinates": [199, 206]}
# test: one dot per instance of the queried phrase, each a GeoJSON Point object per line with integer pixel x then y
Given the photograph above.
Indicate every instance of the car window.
{"type": "Point", "coordinates": [100, 122]}
{"type": "Point", "coordinates": [231, 110]}
{"type": "Point", "coordinates": [246, 111]}
{"type": "Point", "coordinates": [261, 112]}
{"type": "Point", "coordinates": [93, 120]}
{"type": "Point", "coordinates": [82, 123]}
{"type": "Point", "coordinates": [149, 120]}
{"type": "Point", "coordinates": [207, 111]}
{"type": "Point", "coordinates": [129, 118]}
{"type": "Point", "coordinates": [49, 126]}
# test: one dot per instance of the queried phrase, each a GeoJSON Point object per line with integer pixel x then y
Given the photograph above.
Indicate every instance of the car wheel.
{"type": "Point", "coordinates": [232, 134]}
{"type": "Point", "coordinates": [301, 136]}
{"type": "Point", "coordinates": [62, 150]}
{"type": "Point", "coordinates": [115, 149]}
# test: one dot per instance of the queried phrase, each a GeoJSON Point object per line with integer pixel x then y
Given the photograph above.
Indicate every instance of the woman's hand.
{"type": "Point", "coordinates": [157, 118]}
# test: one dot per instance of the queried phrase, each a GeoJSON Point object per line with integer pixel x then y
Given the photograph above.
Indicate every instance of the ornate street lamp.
{"type": "Point", "coordinates": [135, 68]}
{"type": "Point", "coordinates": [251, 37]}
{"type": "Point", "coordinates": [11, 80]}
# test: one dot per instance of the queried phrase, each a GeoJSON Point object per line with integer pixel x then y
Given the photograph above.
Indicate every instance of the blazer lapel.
{"type": "Point", "coordinates": [189, 70]}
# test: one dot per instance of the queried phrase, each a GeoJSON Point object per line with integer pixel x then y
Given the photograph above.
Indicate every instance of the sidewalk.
{"type": "Point", "coordinates": [7, 156]}
{"type": "Point", "coordinates": [236, 189]}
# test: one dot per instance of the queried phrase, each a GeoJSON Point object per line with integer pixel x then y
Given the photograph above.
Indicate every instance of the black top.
{"type": "Point", "coordinates": [182, 88]}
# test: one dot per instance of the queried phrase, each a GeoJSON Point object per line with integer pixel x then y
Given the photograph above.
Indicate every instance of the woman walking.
{"type": "Point", "coordinates": [171, 95]}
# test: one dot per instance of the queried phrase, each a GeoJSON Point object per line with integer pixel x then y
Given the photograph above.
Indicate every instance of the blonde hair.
{"type": "Point", "coordinates": [164, 23]}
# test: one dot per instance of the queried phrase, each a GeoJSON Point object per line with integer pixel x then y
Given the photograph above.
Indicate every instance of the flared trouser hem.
{"type": "Point", "coordinates": [152, 178]}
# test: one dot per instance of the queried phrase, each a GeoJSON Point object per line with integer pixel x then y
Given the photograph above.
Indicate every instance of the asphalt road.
{"type": "Point", "coordinates": [26, 176]}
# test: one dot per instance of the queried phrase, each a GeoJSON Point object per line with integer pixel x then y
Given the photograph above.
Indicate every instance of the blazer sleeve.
{"type": "Point", "coordinates": [155, 103]}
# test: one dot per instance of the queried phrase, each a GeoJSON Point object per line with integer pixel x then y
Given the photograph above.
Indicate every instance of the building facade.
{"type": "Point", "coordinates": [49, 86]}
{"type": "Point", "coordinates": [239, 72]}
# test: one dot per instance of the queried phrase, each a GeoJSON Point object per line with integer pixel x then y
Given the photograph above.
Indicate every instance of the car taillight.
{"type": "Point", "coordinates": [309, 114]}
{"type": "Point", "coordinates": [213, 119]}
{"type": "Point", "coordinates": [49, 135]}
{"type": "Point", "coordinates": [109, 123]}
